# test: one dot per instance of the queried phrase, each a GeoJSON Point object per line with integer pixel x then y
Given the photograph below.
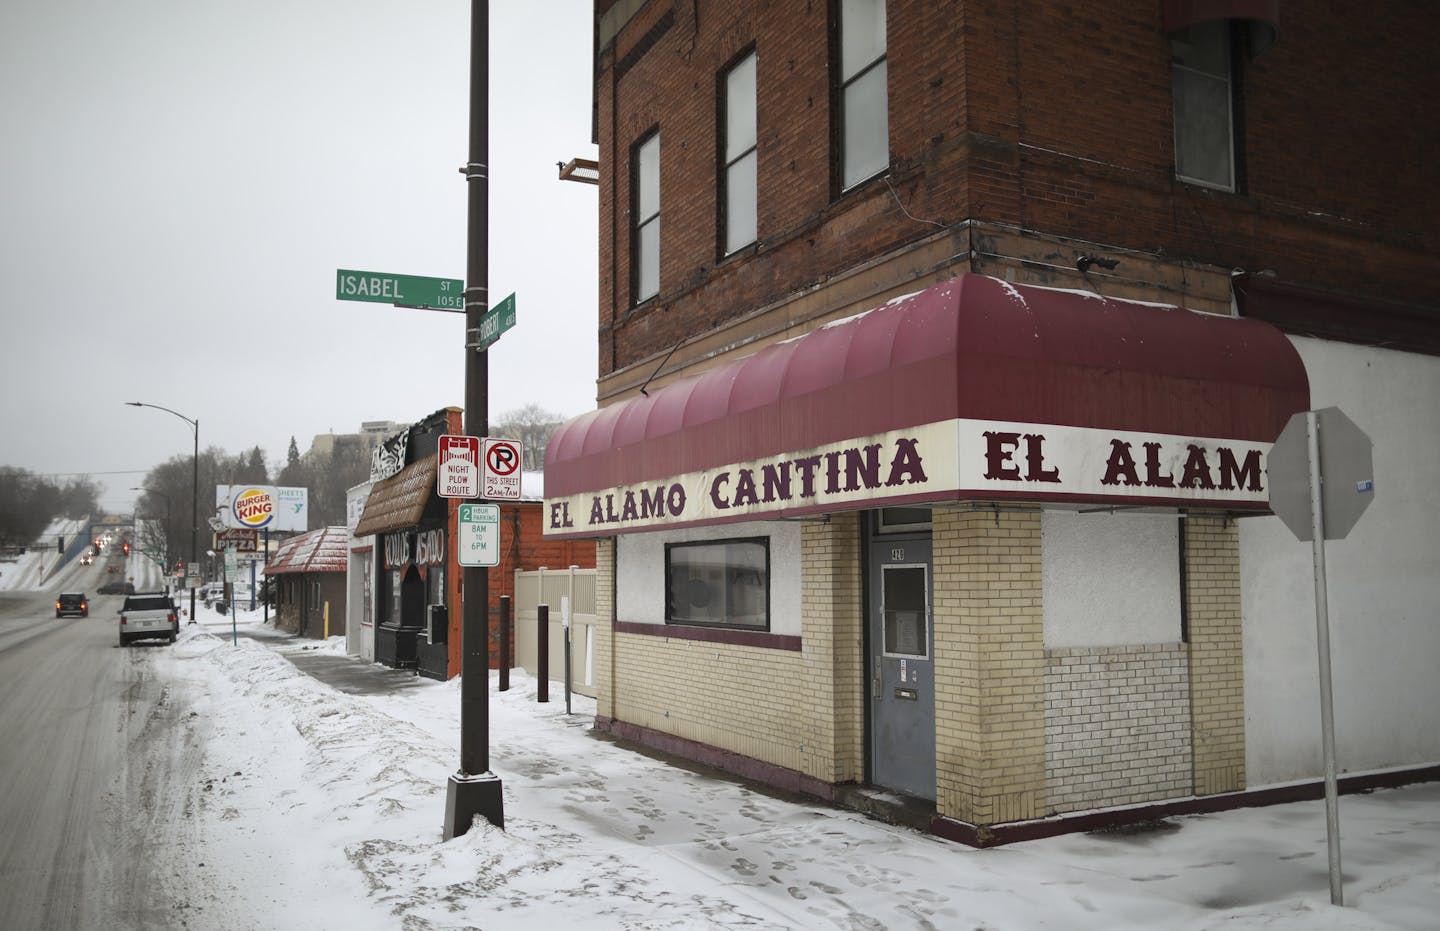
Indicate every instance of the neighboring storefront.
{"type": "Point", "coordinates": [416, 619]}
{"type": "Point", "coordinates": [309, 572]}
{"type": "Point", "coordinates": [977, 546]}
{"type": "Point", "coordinates": [360, 580]}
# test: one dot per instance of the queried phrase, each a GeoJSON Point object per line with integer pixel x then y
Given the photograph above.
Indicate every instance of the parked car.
{"type": "Point", "coordinates": [72, 603]}
{"type": "Point", "coordinates": [149, 614]}
{"type": "Point", "coordinates": [116, 588]}
{"type": "Point", "coordinates": [211, 593]}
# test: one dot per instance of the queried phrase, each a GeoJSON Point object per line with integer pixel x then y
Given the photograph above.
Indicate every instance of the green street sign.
{"type": "Point", "coordinates": [496, 321]}
{"type": "Point", "coordinates": [400, 290]}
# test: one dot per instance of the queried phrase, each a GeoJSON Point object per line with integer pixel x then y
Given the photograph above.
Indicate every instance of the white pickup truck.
{"type": "Point", "coordinates": [148, 614]}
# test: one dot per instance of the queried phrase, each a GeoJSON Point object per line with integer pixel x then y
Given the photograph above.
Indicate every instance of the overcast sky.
{"type": "Point", "coordinates": [180, 180]}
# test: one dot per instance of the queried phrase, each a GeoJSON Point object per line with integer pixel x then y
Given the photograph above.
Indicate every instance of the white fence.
{"type": "Point", "coordinates": [570, 593]}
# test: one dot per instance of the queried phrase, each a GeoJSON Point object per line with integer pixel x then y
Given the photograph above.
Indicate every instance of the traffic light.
{"type": "Point", "coordinates": [125, 548]}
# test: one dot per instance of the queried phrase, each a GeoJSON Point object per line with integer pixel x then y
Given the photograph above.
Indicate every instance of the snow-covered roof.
{"type": "Point", "coordinates": [323, 550]}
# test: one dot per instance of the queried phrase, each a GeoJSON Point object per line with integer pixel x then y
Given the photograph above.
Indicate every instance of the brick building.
{"type": "Point", "coordinates": [942, 348]}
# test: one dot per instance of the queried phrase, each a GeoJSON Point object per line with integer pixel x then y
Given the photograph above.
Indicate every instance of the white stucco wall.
{"type": "Point", "coordinates": [640, 570]}
{"type": "Point", "coordinates": [1110, 579]}
{"type": "Point", "coordinates": [1384, 588]}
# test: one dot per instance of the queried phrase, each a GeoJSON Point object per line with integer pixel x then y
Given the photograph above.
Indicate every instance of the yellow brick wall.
{"type": "Point", "coordinates": [604, 646]}
{"type": "Point", "coordinates": [800, 710]}
{"type": "Point", "coordinates": [989, 666]}
{"type": "Point", "coordinates": [1217, 669]}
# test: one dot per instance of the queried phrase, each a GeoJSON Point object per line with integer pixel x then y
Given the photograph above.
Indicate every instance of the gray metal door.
{"type": "Point", "coordinates": [902, 693]}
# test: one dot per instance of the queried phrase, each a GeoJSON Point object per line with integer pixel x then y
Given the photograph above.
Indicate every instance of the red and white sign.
{"type": "Point", "coordinates": [501, 469]}
{"type": "Point", "coordinates": [458, 473]}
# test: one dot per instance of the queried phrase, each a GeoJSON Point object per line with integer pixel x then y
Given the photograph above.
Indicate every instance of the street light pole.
{"type": "Point", "coordinates": [475, 790]}
{"type": "Point", "coordinates": [194, 490]}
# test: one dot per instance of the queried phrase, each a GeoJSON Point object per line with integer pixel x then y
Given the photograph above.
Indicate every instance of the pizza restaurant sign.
{"type": "Point", "coordinates": [940, 461]}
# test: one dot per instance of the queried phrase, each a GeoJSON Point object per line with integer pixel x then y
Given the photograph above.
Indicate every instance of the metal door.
{"type": "Point", "coordinates": [901, 687]}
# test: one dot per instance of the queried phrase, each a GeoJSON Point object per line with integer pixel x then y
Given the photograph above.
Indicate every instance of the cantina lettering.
{"type": "Point", "coordinates": [829, 473]}
{"type": "Point", "coordinates": [1122, 468]}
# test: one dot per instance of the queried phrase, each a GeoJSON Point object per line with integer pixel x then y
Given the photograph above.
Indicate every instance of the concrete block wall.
{"type": "Point", "coordinates": [989, 666]}
{"type": "Point", "coordinates": [1117, 725]}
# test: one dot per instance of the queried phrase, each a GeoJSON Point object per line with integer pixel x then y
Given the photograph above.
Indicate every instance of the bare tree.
{"type": "Point", "coordinates": [532, 425]}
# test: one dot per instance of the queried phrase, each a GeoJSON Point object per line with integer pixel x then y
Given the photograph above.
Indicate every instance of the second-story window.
{"type": "Point", "coordinates": [738, 178]}
{"type": "Point", "coordinates": [1204, 105]}
{"type": "Point", "coordinates": [645, 214]}
{"type": "Point", "coordinates": [864, 117]}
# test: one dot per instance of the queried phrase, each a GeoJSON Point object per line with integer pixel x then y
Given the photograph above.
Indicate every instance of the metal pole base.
{"type": "Point", "coordinates": [468, 796]}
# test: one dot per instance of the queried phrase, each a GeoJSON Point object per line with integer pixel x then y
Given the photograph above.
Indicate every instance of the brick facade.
{"type": "Point", "coordinates": [1020, 136]}
{"type": "Point", "coordinates": [1029, 134]}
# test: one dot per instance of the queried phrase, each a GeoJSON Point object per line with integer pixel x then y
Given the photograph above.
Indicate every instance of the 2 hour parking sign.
{"type": "Point", "coordinates": [501, 473]}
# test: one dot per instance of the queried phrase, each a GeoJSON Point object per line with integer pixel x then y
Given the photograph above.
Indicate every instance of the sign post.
{"type": "Point", "coordinates": [1337, 478]}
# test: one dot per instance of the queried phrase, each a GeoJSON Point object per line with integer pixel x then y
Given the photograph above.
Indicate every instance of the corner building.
{"type": "Point", "coordinates": [942, 350]}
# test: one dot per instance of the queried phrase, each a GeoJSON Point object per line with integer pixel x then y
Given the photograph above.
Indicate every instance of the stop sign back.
{"type": "Point", "coordinates": [1347, 474]}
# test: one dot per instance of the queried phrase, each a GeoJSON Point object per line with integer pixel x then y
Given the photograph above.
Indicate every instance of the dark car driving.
{"type": "Point", "coordinates": [72, 603]}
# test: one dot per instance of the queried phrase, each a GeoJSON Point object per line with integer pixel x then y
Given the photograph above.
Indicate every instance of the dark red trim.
{"type": "Point", "coordinates": [997, 835]}
{"type": "Point", "coordinates": [726, 635]}
{"type": "Point", "coordinates": [1000, 834]}
{"type": "Point", "coordinates": [972, 347]}
{"type": "Point", "coordinates": [746, 767]}
{"type": "Point", "coordinates": [1367, 321]}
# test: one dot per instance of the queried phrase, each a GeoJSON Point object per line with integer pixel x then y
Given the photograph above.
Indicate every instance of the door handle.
{"type": "Point", "coordinates": [875, 677]}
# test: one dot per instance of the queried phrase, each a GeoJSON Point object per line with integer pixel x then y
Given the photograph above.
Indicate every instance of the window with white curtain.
{"type": "Point", "coordinates": [1204, 105]}
{"type": "Point", "coordinates": [864, 113]}
{"type": "Point", "coordinates": [738, 177]}
{"type": "Point", "coordinates": [645, 213]}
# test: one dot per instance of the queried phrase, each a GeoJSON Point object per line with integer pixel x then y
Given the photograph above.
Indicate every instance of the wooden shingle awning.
{"type": "Point", "coordinates": [398, 502]}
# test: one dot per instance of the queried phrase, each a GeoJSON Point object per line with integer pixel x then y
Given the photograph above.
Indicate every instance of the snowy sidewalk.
{"type": "Point", "coordinates": [600, 836]}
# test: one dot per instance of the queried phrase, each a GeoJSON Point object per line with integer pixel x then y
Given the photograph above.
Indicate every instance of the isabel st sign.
{"type": "Point", "coordinates": [400, 290]}
{"type": "Point", "coordinates": [936, 462]}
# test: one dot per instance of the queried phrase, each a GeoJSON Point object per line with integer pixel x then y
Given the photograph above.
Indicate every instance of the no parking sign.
{"type": "Point", "coordinates": [501, 469]}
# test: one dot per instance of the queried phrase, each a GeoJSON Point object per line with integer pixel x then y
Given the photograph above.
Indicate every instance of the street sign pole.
{"type": "Point", "coordinates": [1322, 642]}
{"type": "Point", "coordinates": [474, 790]}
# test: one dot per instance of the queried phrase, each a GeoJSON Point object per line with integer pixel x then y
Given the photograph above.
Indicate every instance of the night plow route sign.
{"type": "Point", "coordinates": [458, 473]}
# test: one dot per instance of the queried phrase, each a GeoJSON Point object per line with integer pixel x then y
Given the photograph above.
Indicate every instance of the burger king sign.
{"type": "Point", "coordinates": [253, 506]}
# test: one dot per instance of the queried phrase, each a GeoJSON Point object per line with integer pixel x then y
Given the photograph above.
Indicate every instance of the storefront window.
{"type": "Point", "coordinates": [719, 583]}
{"type": "Point", "coordinates": [436, 584]}
{"type": "Point", "coordinates": [396, 613]}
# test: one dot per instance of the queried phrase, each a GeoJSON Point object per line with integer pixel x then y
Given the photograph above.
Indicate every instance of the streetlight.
{"type": "Point", "coordinates": [194, 490]}
{"type": "Point", "coordinates": [165, 559]}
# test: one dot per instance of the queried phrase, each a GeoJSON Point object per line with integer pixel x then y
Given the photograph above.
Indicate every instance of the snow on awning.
{"type": "Point", "coordinates": [398, 502]}
{"type": "Point", "coordinates": [971, 389]}
{"type": "Point", "coordinates": [323, 550]}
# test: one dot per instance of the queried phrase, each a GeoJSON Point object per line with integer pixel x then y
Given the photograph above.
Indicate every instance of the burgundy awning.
{"type": "Point", "coordinates": [1262, 15]}
{"type": "Point", "coordinates": [972, 349]}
